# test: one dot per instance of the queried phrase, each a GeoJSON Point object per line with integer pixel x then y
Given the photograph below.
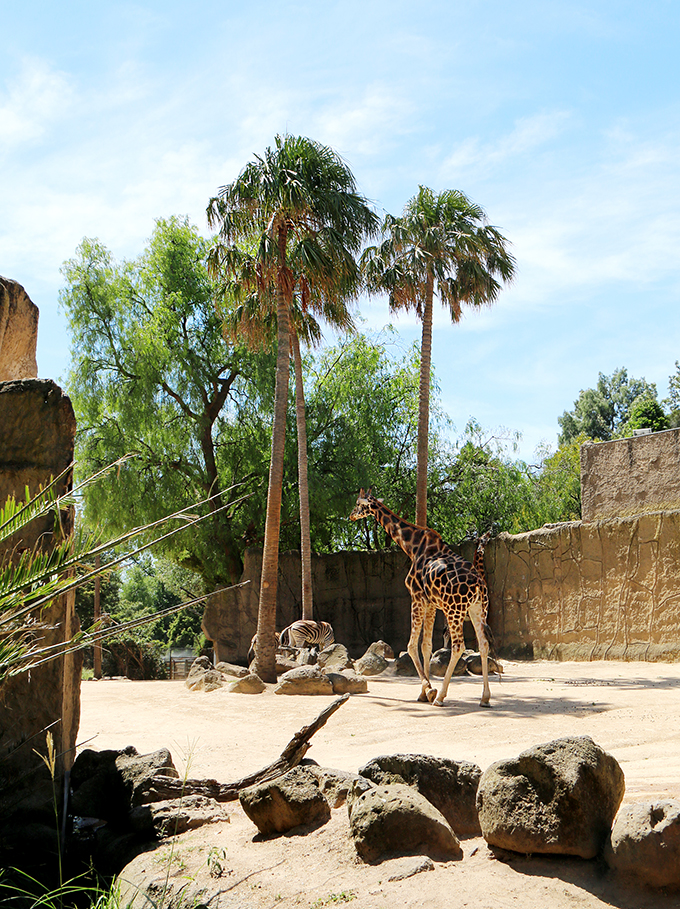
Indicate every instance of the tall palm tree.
{"type": "Point", "coordinates": [300, 200]}
{"type": "Point", "coordinates": [442, 242]}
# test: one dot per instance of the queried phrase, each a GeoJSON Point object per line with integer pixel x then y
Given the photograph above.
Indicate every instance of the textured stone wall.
{"type": "Point", "coordinates": [630, 476]}
{"type": "Point", "coordinates": [38, 431]}
{"type": "Point", "coordinates": [578, 591]}
{"type": "Point", "coordinates": [589, 591]}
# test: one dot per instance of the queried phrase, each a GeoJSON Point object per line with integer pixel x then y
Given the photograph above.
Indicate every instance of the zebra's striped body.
{"type": "Point", "coordinates": [306, 633]}
{"type": "Point", "coordinates": [251, 652]}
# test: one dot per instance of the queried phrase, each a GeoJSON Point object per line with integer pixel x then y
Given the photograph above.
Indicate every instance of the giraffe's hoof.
{"type": "Point", "coordinates": [485, 703]}
{"type": "Point", "coordinates": [431, 695]}
{"type": "Point", "coordinates": [423, 697]}
{"type": "Point", "coordinates": [437, 703]}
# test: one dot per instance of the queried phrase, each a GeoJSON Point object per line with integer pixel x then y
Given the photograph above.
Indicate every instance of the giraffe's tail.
{"type": "Point", "coordinates": [492, 650]}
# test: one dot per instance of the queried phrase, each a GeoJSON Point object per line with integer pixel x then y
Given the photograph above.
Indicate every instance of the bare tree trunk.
{"type": "Point", "coordinates": [265, 650]}
{"type": "Point", "coordinates": [424, 407]}
{"type": "Point", "coordinates": [303, 485]}
{"type": "Point", "coordinates": [97, 658]}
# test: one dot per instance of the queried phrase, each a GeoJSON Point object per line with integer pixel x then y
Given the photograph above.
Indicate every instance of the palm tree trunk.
{"type": "Point", "coordinates": [424, 407]}
{"type": "Point", "coordinates": [303, 485]}
{"type": "Point", "coordinates": [265, 658]}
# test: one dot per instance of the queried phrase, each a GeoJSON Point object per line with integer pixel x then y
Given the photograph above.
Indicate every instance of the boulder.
{"type": "Point", "coordinates": [439, 663]}
{"type": "Point", "coordinates": [289, 801]}
{"type": "Point", "coordinates": [451, 786]}
{"type": "Point", "coordinates": [304, 680]}
{"type": "Point", "coordinates": [18, 332]}
{"type": "Point", "coordinates": [204, 680]}
{"type": "Point", "coordinates": [334, 658]}
{"type": "Point", "coordinates": [229, 669]}
{"type": "Point", "coordinates": [403, 665]}
{"type": "Point", "coordinates": [347, 682]}
{"type": "Point", "coordinates": [248, 684]}
{"type": "Point", "coordinates": [473, 664]}
{"type": "Point", "coordinates": [645, 843]}
{"type": "Point", "coordinates": [560, 797]}
{"type": "Point", "coordinates": [372, 662]}
{"type": "Point", "coordinates": [174, 816]}
{"type": "Point", "coordinates": [107, 784]}
{"type": "Point", "coordinates": [398, 820]}
{"type": "Point", "coordinates": [335, 784]}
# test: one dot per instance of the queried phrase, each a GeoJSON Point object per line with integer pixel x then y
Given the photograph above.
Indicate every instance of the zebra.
{"type": "Point", "coordinates": [307, 633]}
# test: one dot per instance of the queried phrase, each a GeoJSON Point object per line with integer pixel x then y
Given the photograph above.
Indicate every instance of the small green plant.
{"type": "Point", "coordinates": [346, 896]}
{"type": "Point", "coordinates": [216, 859]}
{"type": "Point", "coordinates": [50, 760]}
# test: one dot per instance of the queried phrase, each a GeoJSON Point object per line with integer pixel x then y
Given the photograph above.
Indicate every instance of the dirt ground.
{"type": "Point", "coordinates": [631, 709]}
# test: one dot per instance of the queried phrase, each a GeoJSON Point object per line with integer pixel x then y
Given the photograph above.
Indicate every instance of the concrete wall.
{"type": "Point", "coordinates": [38, 431]}
{"type": "Point", "coordinates": [631, 476]}
{"type": "Point", "coordinates": [581, 591]}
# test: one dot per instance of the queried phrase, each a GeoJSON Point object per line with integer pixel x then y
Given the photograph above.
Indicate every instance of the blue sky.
{"type": "Point", "coordinates": [561, 119]}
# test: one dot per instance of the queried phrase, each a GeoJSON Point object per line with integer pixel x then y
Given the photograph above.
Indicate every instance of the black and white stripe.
{"type": "Point", "coordinates": [307, 633]}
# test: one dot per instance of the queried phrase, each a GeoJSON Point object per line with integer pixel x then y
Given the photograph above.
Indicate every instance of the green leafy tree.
{"type": "Point", "coordinates": [600, 412]}
{"type": "Point", "coordinates": [153, 375]}
{"type": "Point", "coordinates": [300, 201]}
{"type": "Point", "coordinates": [645, 413]}
{"type": "Point", "coordinates": [672, 402]}
{"type": "Point", "coordinates": [443, 244]}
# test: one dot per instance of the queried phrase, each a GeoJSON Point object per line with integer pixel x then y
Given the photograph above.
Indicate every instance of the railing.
{"type": "Point", "coordinates": [179, 669]}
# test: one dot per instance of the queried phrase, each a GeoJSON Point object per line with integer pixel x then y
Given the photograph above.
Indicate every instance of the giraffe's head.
{"type": "Point", "coordinates": [363, 507]}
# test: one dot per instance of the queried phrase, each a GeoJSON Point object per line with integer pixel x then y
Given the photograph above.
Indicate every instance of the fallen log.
{"type": "Point", "coordinates": [166, 787]}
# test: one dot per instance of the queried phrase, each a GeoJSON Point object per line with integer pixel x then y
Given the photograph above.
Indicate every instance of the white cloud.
{"type": "Point", "coordinates": [32, 102]}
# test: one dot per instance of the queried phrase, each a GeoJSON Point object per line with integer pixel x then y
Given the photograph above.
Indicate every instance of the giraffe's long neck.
{"type": "Point", "coordinates": [407, 535]}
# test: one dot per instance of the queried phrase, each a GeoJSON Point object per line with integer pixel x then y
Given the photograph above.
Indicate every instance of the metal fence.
{"type": "Point", "coordinates": [179, 669]}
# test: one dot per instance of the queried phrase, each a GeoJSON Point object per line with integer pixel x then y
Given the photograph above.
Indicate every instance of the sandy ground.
{"type": "Point", "coordinates": [630, 709]}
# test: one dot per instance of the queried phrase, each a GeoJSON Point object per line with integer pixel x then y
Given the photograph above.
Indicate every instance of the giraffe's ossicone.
{"type": "Point", "coordinates": [438, 579]}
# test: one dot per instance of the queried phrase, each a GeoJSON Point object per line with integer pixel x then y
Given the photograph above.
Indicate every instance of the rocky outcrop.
{"type": "Point", "coordinates": [645, 843]}
{"type": "Point", "coordinates": [38, 430]}
{"type": "Point", "coordinates": [397, 820]}
{"type": "Point", "coordinates": [373, 662]}
{"type": "Point", "coordinates": [290, 801]}
{"type": "Point", "coordinates": [304, 680]}
{"type": "Point", "coordinates": [18, 332]}
{"type": "Point", "coordinates": [451, 786]}
{"type": "Point", "coordinates": [560, 797]}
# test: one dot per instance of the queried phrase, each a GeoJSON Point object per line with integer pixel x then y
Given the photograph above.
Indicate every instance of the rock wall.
{"type": "Point", "coordinates": [38, 432]}
{"type": "Point", "coordinates": [18, 332]}
{"type": "Point", "coordinates": [630, 476]}
{"type": "Point", "coordinates": [589, 591]}
{"type": "Point", "coordinates": [577, 591]}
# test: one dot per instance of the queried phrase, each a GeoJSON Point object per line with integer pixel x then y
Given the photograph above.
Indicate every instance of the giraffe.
{"type": "Point", "coordinates": [478, 565]}
{"type": "Point", "coordinates": [438, 579]}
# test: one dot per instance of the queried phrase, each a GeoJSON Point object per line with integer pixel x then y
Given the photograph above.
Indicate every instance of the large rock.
{"type": "Point", "coordinates": [334, 658]}
{"type": "Point", "coordinates": [304, 680]}
{"type": "Point", "coordinates": [347, 682]}
{"type": "Point", "coordinates": [171, 817]}
{"type": "Point", "coordinates": [107, 784]}
{"type": "Point", "coordinates": [248, 684]}
{"type": "Point", "coordinates": [645, 843]}
{"type": "Point", "coordinates": [439, 663]}
{"type": "Point", "coordinates": [451, 786]}
{"type": "Point", "coordinates": [373, 662]}
{"type": "Point", "coordinates": [289, 801]}
{"type": "Point", "coordinates": [404, 666]}
{"type": "Point", "coordinates": [18, 332]}
{"type": "Point", "coordinates": [335, 784]}
{"type": "Point", "coordinates": [560, 797]}
{"type": "Point", "coordinates": [398, 820]}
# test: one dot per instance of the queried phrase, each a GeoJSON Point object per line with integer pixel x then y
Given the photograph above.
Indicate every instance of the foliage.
{"type": "Point", "coordinates": [441, 243]}
{"type": "Point", "coordinates": [153, 375]}
{"type": "Point", "coordinates": [600, 413]}
{"type": "Point", "coordinates": [299, 200]}
{"type": "Point", "coordinates": [645, 413]}
{"type": "Point", "coordinates": [127, 655]}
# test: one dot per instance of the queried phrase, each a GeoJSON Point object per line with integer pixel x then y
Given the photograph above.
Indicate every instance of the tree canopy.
{"type": "Point", "coordinates": [152, 375]}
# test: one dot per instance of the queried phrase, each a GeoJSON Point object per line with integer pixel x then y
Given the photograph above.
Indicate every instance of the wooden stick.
{"type": "Point", "coordinates": [167, 787]}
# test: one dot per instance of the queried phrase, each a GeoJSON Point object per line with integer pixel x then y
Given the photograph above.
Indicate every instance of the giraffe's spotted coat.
{"type": "Point", "coordinates": [438, 579]}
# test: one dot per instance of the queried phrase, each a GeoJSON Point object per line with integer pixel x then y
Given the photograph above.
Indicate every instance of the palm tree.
{"type": "Point", "coordinates": [300, 200]}
{"type": "Point", "coordinates": [441, 242]}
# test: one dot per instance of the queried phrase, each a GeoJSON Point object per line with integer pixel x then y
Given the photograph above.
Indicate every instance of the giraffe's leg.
{"type": "Point", "coordinates": [428, 628]}
{"type": "Point", "coordinates": [477, 612]}
{"type": "Point", "coordinates": [457, 647]}
{"type": "Point", "coordinates": [416, 626]}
